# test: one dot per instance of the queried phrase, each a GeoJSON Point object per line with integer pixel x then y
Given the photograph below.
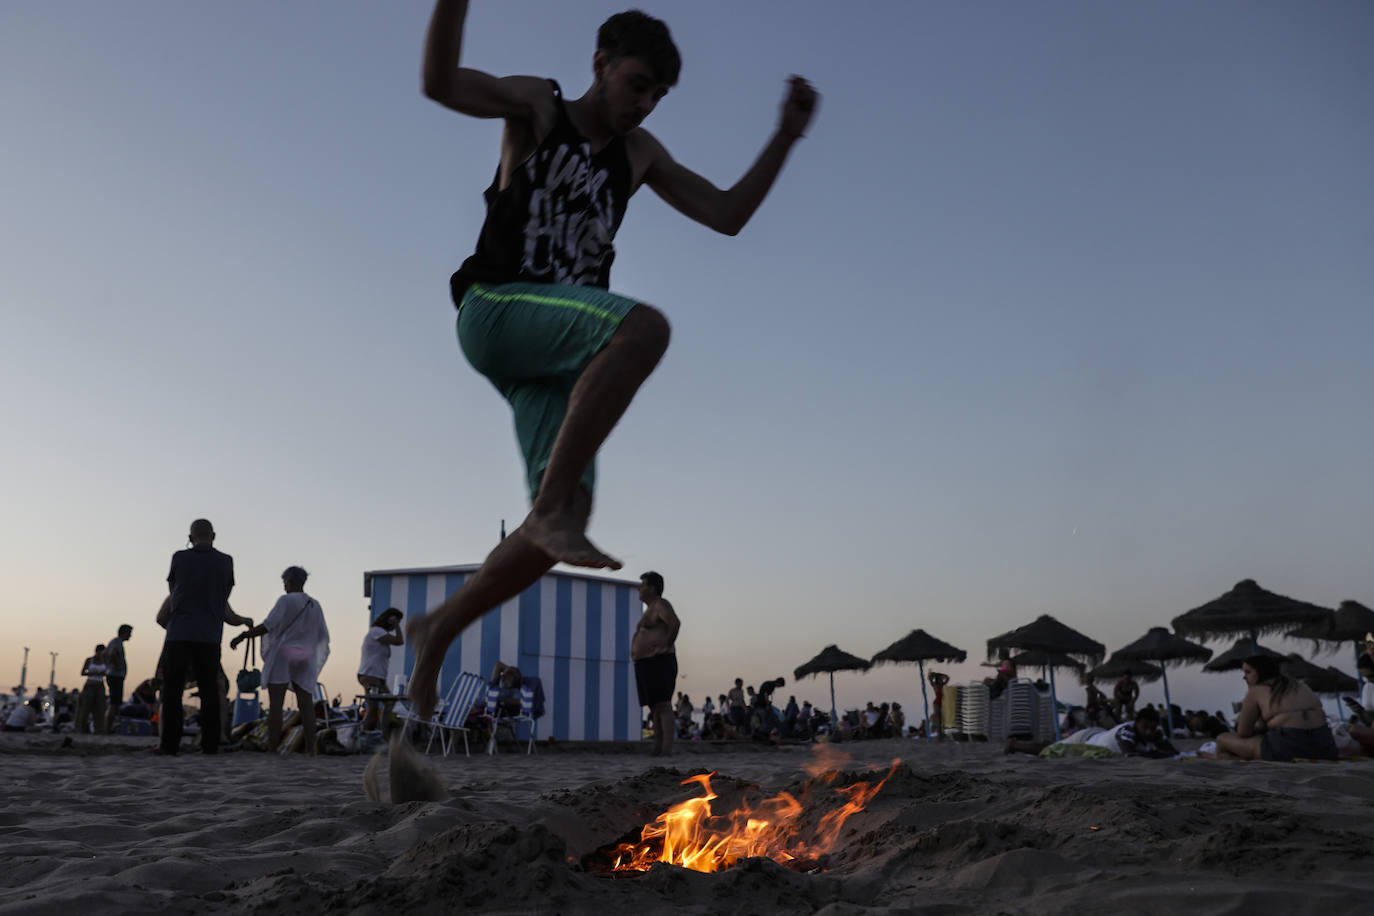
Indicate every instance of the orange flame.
{"type": "Point", "coordinates": [689, 835]}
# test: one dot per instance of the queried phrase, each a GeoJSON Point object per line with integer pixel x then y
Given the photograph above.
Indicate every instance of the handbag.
{"type": "Point", "coordinates": [249, 679]}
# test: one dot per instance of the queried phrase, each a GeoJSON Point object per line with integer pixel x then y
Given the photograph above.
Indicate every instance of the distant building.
{"type": "Point", "coordinates": [570, 630]}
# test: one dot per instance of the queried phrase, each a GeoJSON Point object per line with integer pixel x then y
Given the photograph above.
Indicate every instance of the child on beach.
{"type": "Point", "coordinates": [535, 314]}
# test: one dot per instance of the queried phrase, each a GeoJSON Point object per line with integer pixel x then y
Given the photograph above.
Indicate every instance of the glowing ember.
{"type": "Point", "coordinates": [688, 834]}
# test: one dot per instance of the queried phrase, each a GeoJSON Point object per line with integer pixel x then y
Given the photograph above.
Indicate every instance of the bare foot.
{"type": "Point", "coordinates": [562, 537]}
{"type": "Point", "coordinates": [423, 689]}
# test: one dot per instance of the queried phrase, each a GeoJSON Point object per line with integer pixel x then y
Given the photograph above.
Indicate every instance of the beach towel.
{"type": "Point", "coordinates": [1091, 751]}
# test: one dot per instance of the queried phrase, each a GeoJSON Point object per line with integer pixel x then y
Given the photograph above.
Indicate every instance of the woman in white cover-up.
{"type": "Point", "coordinates": [295, 646]}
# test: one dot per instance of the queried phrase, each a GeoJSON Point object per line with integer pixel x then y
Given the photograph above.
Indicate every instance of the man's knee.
{"type": "Point", "coordinates": [648, 326]}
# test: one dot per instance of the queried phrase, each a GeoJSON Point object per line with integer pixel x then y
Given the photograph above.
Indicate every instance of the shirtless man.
{"type": "Point", "coordinates": [655, 661]}
{"type": "Point", "coordinates": [1280, 718]}
{"type": "Point", "coordinates": [534, 312]}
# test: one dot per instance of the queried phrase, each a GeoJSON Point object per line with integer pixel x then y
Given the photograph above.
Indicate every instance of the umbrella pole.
{"type": "Point", "coordinates": [834, 719]}
{"type": "Point", "coordinates": [1359, 678]}
{"type": "Point", "coordinates": [1168, 703]}
{"type": "Point", "coordinates": [921, 666]}
{"type": "Point", "coordinates": [1054, 707]}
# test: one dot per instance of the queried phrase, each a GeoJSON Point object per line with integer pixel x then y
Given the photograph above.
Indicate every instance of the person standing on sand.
{"type": "Point", "coordinates": [655, 659]}
{"type": "Point", "coordinates": [295, 647]}
{"type": "Point", "coordinates": [116, 670]}
{"type": "Point", "coordinates": [535, 315]}
{"type": "Point", "coordinates": [91, 704]}
{"type": "Point", "coordinates": [196, 611]}
{"type": "Point", "coordinates": [384, 633]}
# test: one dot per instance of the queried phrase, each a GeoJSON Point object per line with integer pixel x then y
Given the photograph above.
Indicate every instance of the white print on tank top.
{"type": "Point", "coordinates": [568, 233]}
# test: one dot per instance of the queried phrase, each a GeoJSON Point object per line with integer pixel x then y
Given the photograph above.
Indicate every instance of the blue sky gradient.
{"type": "Point", "coordinates": [1037, 270]}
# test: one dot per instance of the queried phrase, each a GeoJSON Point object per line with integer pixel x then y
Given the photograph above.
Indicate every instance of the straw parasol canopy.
{"type": "Point", "coordinates": [1348, 623]}
{"type": "Point", "coordinates": [1236, 655]}
{"type": "Point", "coordinates": [1247, 610]}
{"type": "Point", "coordinates": [1300, 669]}
{"type": "Point", "coordinates": [1037, 659]}
{"type": "Point", "coordinates": [1049, 635]}
{"type": "Point", "coordinates": [1045, 634]}
{"type": "Point", "coordinates": [1116, 668]}
{"type": "Point", "coordinates": [920, 647]}
{"type": "Point", "coordinates": [1159, 645]}
{"type": "Point", "coordinates": [1335, 681]}
{"type": "Point", "coordinates": [831, 659]}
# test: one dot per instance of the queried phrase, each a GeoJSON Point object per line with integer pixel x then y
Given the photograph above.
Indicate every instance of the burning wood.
{"type": "Point", "coordinates": [791, 832]}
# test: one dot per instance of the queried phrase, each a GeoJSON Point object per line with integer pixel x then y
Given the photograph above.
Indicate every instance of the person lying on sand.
{"type": "Point", "coordinates": [1140, 737]}
{"type": "Point", "coordinates": [1280, 718]}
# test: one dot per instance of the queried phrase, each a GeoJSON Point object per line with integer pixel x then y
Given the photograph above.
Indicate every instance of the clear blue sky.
{"type": "Point", "coordinates": [1038, 268]}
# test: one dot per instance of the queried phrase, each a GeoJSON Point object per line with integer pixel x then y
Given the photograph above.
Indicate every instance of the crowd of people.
{"type": "Point", "coordinates": [744, 713]}
{"type": "Point", "coordinates": [295, 646]}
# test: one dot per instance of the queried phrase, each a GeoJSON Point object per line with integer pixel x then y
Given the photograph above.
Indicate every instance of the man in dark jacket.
{"type": "Point", "coordinates": [198, 607]}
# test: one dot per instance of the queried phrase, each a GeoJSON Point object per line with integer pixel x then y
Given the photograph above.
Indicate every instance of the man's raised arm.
{"type": "Point", "coordinates": [468, 91]}
{"type": "Point", "coordinates": [728, 211]}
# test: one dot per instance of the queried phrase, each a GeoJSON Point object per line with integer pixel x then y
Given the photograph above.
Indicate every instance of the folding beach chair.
{"type": "Point", "coordinates": [531, 708]}
{"type": "Point", "coordinates": [333, 717]}
{"type": "Point", "coordinates": [465, 693]}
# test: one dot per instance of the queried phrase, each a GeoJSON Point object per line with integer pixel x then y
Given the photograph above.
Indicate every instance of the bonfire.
{"type": "Point", "coordinates": [781, 828]}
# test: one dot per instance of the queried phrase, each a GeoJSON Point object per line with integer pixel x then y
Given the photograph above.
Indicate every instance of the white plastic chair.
{"type": "Point", "coordinates": [463, 695]}
{"type": "Point", "coordinates": [512, 722]}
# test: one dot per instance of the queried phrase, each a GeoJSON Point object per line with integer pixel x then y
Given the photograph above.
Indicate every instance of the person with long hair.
{"type": "Point", "coordinates": [1280, 718]}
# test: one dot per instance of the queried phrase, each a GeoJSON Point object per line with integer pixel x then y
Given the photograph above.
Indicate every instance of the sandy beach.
{"type": "Point", "coordinates": [99, 826]}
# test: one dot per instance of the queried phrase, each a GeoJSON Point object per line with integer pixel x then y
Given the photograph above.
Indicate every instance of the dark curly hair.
{"type": "Point", "coordinates": [1269, 670]}
{"type": "Point", "coordinates": [637, 34]}
{"type": "Point", "coordinates": [653, 580]}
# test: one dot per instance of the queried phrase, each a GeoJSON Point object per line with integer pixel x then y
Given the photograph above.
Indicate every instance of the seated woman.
{"type": "Point", "coordinates": [1279, 718]}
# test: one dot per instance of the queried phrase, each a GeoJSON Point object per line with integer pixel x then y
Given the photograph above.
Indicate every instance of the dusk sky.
{"type": "Point", "coordinates": [1061, 307]}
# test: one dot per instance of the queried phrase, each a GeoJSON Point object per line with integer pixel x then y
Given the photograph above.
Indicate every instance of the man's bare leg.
{"type": "Point", "coordinates": [664, 724]}
{"type": "Point", "coordinates": [596, 404]}
{"type": "Point", "coordinates": [512, 567]}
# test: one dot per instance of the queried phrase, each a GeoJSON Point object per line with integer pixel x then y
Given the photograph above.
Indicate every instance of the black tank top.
{"type": "Point", "coordinates": [555, 221]}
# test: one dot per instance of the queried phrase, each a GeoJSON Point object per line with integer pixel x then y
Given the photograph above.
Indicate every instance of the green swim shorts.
{"type": "Point", "coordinates": [533, 341]}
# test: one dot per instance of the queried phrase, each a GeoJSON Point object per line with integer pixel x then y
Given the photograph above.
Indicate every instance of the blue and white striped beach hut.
{"type": "Point", "coordinates": [570, 630]}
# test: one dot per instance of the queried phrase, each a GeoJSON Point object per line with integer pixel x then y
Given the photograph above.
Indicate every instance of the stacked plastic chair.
{"type": "Point", "coordinates": [973, 709]}
{"type": "Point", "coordinates": [1044, 715]}
{"type": "Point", "coordinates": [1020, 694]}
{"type": "Point", "coordinates": [997, 717]}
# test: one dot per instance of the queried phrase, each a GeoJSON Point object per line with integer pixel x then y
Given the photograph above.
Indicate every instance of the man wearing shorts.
{"type": "Point", "coordinates": [535, 315]}
{"type": "Point", "coordinates": [655, 659]}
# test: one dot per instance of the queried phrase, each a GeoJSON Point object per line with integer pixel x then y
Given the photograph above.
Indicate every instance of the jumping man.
{"type": "Point", "coordinates": [535, 315]}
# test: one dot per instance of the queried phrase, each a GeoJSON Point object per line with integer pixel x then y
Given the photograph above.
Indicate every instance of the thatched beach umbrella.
{"type": "Point", "coordinates": [1116, 668]}
{"type": "Point", "coordinates": [919, 646]}
{"type": "Point", "coordinates": [1037, 659]}
{"type": "Point", "coordinates": [1247, 610]}
{"type": "Point", "coordinates": [832, 659]}
{"type": "Point", "coordinates": [1336, 681]}
{"type": "Point", "coordinates": [1348, 623]}
{"type": "Point", "coordinates": [1049, 635]}
{"type": "Point", "coordinates": [1159, 645]}
{"type": "Point", "coordinates": [1234, 657]}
